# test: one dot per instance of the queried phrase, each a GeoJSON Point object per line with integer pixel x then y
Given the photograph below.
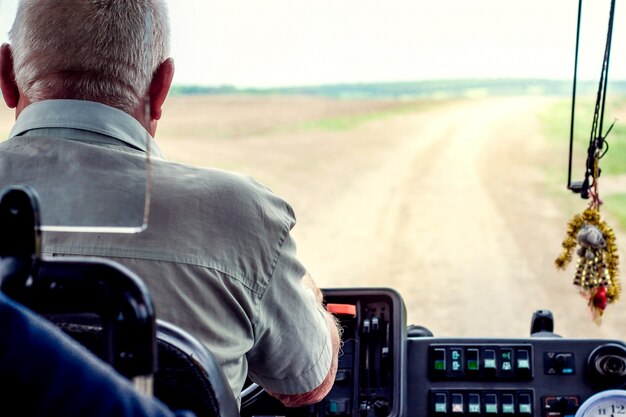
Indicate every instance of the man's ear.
{"type": "Point", "coordinates": [8, 85]}
{"type": "Point", "coordinates": [160, 87]}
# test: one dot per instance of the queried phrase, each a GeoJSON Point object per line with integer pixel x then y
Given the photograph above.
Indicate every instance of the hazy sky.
{"type": "Point", "coordinates": [293, 42]}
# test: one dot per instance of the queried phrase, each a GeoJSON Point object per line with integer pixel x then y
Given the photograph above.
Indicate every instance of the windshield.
{"type": "Point", "coordinates": [422, 145]}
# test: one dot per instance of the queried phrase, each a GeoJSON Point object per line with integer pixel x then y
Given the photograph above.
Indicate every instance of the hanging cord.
{"type": "Point", "coordinates": [575, 188]}
{"type": "Point", "coordinates": [598, 146]}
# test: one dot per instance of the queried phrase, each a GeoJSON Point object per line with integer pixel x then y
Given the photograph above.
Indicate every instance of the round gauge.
{"type": "Point", "coordinates": [611, 403]}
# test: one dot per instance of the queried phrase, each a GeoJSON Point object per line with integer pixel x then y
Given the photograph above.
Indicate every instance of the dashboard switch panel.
{"type": "Point", "coordinates": [481, 362]}
{"type": "Point", "coordinates": [523, 377]}
{"type": "Point", "coordinates": [477, 402]}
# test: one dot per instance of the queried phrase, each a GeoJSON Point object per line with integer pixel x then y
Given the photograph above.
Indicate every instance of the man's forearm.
{"type": "Point", "coordinates": [316, 395]}
{"type": "Point", "coordinates": [334, 328]}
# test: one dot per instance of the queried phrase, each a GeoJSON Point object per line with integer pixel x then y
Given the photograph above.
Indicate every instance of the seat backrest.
{"type": "Point", "coordinates": [188, 377]}
{"type": "Point", "coordinates": [103, 289]}
{"type": "Point", "coordinates": [109, 310]}
{"type": "Point", "coordinates": [77, 286]}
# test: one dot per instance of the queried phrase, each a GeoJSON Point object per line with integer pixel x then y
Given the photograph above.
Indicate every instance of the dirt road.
{"type": "Point", "coordinates": [450, 206]}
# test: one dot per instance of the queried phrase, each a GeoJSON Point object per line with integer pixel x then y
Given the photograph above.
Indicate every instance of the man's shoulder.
{"type": "Point", "coordinates": [233, 194]}
{"type": "Point", "coordinates": [206, 179]}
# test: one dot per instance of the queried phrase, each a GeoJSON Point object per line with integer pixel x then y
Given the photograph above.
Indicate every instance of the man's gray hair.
{"type": "Point", "coordinates": [98, 50]}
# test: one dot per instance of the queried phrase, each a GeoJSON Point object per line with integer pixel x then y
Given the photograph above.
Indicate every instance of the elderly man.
{"type": "Point", "coordinates": [88, 79]}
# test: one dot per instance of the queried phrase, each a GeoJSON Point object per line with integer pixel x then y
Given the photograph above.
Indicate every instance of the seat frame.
{"type": "Point", "coordinates": [127, 335]}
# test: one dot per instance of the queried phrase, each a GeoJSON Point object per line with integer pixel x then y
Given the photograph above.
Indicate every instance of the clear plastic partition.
{"type": "Point", "coordinates": [84, 180]}
{"type": "Point", "coordinates": [81, 187]}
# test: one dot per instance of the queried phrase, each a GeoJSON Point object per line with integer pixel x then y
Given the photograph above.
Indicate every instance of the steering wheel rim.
{"type": "Point", "coordinates": [250, 394]}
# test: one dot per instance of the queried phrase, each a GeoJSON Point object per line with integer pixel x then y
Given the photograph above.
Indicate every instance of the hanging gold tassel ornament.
{"type": "Point", "coordinates": [598, 261]}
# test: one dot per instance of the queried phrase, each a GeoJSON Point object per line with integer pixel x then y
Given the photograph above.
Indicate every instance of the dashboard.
{"type": "Point", "coordinates": [387, 369]}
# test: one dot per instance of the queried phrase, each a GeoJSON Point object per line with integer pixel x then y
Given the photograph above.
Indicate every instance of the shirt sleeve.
{"type": "Point", "coordinates": [292, 353]}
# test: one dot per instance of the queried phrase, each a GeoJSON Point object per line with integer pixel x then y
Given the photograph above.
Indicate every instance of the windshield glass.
{"type": "Point", "coordinates": [422, 145]}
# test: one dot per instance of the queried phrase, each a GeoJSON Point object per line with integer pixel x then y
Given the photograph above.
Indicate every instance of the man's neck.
{"type": "Point", "coordinates": [21, 105]}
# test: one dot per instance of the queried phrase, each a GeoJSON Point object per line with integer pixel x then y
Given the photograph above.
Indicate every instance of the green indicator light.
{"type": "Point", "coordinates": [440, 365]}
{"type": "Point", "coordinates": [472, 365]}
{"type": "Point", "coordinates": [455, 354]}
{"type": "Point", "coordinates": [333, 407]}
{"type": "Point", "coordinates": [440, 408]}
{"type": "Point", "coordinates": [490, 363]}
{"type": "Point", "coordinates": [474, 408]}
{"type": "Point", "coordinates": [491, 408]}
{"type": "Point", "coordinates": [523, 364]}
{"type": "Point", "coordinates": [508, 409]}
{"type": "Point", "coordinates": [524, 409]}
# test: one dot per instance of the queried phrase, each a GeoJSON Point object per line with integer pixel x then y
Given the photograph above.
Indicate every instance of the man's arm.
{"type": "Point", "coordinates": [317, 394]}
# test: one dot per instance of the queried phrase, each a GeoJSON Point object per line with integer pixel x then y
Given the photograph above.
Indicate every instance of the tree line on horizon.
{"type": "Point", "coordinates": [418, 89]}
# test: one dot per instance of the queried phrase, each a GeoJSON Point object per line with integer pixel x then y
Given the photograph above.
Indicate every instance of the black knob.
{"type": "Point", "coordinates": [611, 365]}
{"type": "Point", "coordinates": [607, 365]}
{"type": "Point", "coordinates": [561, 361]}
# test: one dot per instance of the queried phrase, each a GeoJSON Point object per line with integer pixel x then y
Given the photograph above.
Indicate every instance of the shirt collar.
{"type": "Point", "coordinates": [85, 115]}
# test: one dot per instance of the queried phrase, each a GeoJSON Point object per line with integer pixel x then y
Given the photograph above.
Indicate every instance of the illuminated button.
{"type": "Point", "coordinates": [508, 405]}
{"type": "Point", "coordinates": [523, 360]}
{"type": "Point", "coordinates": [490, 359]}
{"type": "Point", "coordinates": [473, 364]}
{"type": "Point", "coordinates": [439, 359]}
{"type": "Point", "coordinates": [491, 404]}
{"type": "Point", "coordinates": [524, 404]}
{"type": "Point", "coordinates": [456, 360]}
{"type": "Point", "coordinates": [506, 361]}
{"type": "Point", "coordinates": [441, 403]}
{"type": "Point", "coordinates": [340, 406]}
{"type": "Point", "coordinates": [473, 403]}
{"type": "Point", "coordinates": [457, 404]}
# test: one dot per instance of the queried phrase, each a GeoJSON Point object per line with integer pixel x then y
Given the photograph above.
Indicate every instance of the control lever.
{"type": "Point", "coordinates": [366, 341]}
{"type": "Point", "coordinates": [542, 324]}
{"type": "Point", "coordinates": [376, 350]}
{"type": "Point", "coordinates": [386, 357]}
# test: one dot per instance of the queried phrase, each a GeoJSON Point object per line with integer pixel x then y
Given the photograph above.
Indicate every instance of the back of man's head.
{"type": "Point", "coordinates": [98, 50]}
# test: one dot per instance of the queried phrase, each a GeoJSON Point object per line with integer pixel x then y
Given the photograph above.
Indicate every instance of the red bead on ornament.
{"type": "Point", "coordinates": [599, 299]}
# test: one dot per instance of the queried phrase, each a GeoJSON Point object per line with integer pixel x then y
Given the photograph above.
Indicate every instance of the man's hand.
{"type": "Point", "coordinates": [316, 395]}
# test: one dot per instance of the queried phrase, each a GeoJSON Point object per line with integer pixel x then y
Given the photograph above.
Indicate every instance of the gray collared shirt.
{"type": "Point", "coordinates": [217, 254]}
{"type": "Point", "coordinates": [87, 122]}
